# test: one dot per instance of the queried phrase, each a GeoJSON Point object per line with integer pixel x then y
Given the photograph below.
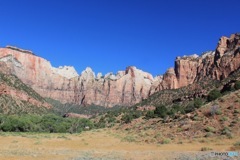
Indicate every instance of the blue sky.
{"type": "Point", "coordinates": [109, 35]}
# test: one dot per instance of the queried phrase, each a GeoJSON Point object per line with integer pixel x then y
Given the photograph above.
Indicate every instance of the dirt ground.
{"type": "Point", "coordinates": [101, 144]}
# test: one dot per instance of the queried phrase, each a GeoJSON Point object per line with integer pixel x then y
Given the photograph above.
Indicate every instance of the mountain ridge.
{"type": "Point", "coordinates": [125, 88]}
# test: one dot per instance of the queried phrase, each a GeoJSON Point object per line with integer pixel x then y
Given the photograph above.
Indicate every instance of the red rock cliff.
{"type": "Point", "coordinates": [216, 64]}
{"type": "Point", "coordinates": [126, 87]}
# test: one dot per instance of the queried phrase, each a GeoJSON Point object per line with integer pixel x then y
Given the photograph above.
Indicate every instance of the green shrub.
{"type": "Point", "coordinates": [165, 141]}
{"type": "Point", "coordinates": [161, 111]}
{"type": "Point", "coordinates": [237, 85]}
{"type": "Point", "coordinates": [224, 118]}
{"type": "Point", "coordinates": [47, 123]}
{"type": "Point", "coordinates": [150, 114]}
{"type": "Point", "coordinates": [209, 129]}
{"type": "Point", "coordinates": [226, 131]}
{"type": "Point", "coordinates": [189, 108]}
{"type": "Point", "coordinates": [174, 109]}
{"type": "Point", "coordinates": [209, 134]}
{"type": "Point", "coordinates": [214, 94]}
{"type": "Point", "coordinates": [198, 102]}
{"type": "Point", "coordinates": [127, 118]}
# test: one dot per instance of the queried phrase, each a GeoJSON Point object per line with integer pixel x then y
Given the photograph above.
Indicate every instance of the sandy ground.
{"type": "Point", "coordinates": [102, 144]}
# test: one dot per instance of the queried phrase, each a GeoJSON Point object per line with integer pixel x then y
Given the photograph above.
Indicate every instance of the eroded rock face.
{"type": "Point", "coordinates": [216, 64]}
{"type": "Point", "coordinates": [126, 87]}
{"type": "Point", "coordinates": [21, 95]}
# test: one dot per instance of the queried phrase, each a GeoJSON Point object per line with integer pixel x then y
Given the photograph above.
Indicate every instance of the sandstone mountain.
{"type": "Point", "coordinates": [126, 87]}
{"type": "Point", "coordinates": [18, 98]}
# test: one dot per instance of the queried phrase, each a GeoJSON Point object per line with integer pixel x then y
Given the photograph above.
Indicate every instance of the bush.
{"type": "Point", "coordinates": [226, 131]}
{"type": "Point", "coordinates": [214, 94]}
{"type": "Point", "coordinates": [224, 118]}
{"type": "Point", "coordinates": [190, 107]}
{"type": "Point", "coordinates": [175, 108]}
{"type": "Point", "coordinates": [127, 118]}
{"type": "Point", "coordinates": [47, 123]}
{"type": "Point", "coordinates": [161, 111]}
{"type": "Point", "coordinates": [165, 141]}
{"type": "Point", "coordinates": [237, 85]}
{"type": "Point", "coordinates": [198, 103]}
{"type": "Point", "coordinates": [150, 114]}
{"type": "Point", "coordinates": [209, 129]}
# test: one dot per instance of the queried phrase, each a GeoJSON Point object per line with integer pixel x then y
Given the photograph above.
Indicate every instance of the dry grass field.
{"type": "Point", "coordinates": [102, 144]}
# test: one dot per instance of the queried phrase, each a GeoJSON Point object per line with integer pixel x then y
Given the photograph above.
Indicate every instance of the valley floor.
{"type": "Point", "coordinates": [104, 144]}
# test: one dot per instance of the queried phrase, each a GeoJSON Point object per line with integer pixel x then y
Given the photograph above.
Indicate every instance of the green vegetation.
{"type": "Point", "coordinates": [209, 129]}
{"type": "Point", "coordinates": [13, 81]}
{"type": "Point", "coordinates": [237, 85]}
{"type": "Point", "coordinates": [61, 109]}
{"type": "Point", "coordinates": [9, 106]}
{"type": "Point", "coordinates": [214, 94]}
{"type": "Point", "coordinates": [226, 131]}
{"type": "Point", "coordinates": [48, 123]}
{"type": "Point", "coordinates": [198, 102]}
{"type": "Point", "coordinates": [150, 114]}
{"type": "Point", "coordinates": [129, 116]}
{"type": "Point", "coordinates": [161, 111]}
{"type": "Point", "coordinates": [165, 141]}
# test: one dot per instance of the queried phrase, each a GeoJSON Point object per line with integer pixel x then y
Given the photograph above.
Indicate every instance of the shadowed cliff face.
{"type": "Point", "coordinates": [126, 87]}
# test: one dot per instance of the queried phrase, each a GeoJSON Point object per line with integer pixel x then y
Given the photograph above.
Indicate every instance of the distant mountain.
{"type": "Point", "coordinates": [127, 87]}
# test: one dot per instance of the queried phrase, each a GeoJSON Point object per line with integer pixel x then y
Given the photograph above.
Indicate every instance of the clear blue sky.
{"type": "Point", "coordinates": [109, 35]}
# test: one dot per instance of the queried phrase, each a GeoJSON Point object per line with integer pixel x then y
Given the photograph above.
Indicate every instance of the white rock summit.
{"type": "Point", "coordinates": [65, 71]}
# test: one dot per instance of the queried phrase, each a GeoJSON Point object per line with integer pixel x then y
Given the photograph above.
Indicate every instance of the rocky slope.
{"type": "Point", "coordinates": [126, 87]}
{"type": "Point", "coordinates": [17, 98]}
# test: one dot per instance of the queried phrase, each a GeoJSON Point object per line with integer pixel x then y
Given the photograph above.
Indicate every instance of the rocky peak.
{"type": "Point", "coordinates": [99, 76]}
{"type": "Point", "coordinates": [120, 74]}
{"type": "Point", "coordinates": [88, 74]}
{"type": "Point", "coordinates": [66, 71]}
{"type": "Point", "coordinates": [170, 71]}
{"type": "Point", "coordinates": [134, 72]}
{"type": "Point", "coordinates": [207, 54]}
{"type": "Point", "coordinates": [227, 46]}
{"type": "Point", "coordinates": [130, 70]}
{"type": "Point", "coordinates": [110, 76]}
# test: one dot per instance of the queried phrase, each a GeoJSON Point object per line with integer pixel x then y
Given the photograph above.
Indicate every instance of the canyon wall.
{"type": "Point", "coordinates": [126, 87]}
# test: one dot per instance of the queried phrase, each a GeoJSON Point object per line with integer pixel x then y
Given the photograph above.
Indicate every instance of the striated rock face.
{"type": "Point", "coordinates": [21, 95]}
{"type": "Point", "coordinates": [126, 87]}
{"type": "Point", "coordinates": [216, 64]}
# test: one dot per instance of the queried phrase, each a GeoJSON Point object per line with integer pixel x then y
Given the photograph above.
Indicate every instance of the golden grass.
{"type": "Point", "coordinates": [108, 144]}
